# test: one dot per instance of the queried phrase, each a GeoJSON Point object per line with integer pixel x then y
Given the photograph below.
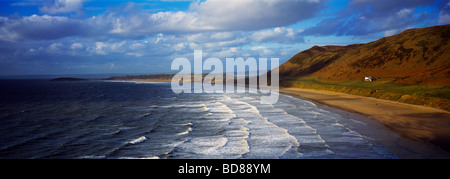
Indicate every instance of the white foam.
{"type": "Point", "coordinates": [202, 147]}
{"type": "Point", "coordinates": [304, 102]}
{"type": "Point", "coordinates": [189, 129]}
{"type": "Point", "coordinates": [242, 132]}
{"type": "Point", "coordinates": [103, 157]}
{"type": "Point", "coordinates": [188, 124]}
{"type": "Point", "coordinates": [150, 157]}
{"type": "Point", "coordinates": [218, 107]}
{"type": "Point", "coordinates": [138, 140]}
{"type": "Point", "coordinates": [219, 111]}
{"type": "Point", "coordinates": [237, 135]}
{"type": "Point", "coordinates": [92, 157]}
{"type": "Point", "coordinates": [264, 139]}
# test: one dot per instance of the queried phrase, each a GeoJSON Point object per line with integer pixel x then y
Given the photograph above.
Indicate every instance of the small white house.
{"type": "Point", "coordinates": [368, 78]}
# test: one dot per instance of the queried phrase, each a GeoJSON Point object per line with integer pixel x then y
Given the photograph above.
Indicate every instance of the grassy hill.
{"type": "Point", "coordinates": [411, 67]}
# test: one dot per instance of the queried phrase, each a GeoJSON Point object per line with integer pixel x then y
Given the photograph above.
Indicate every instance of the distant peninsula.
{"type": "Point", "coordinates": [68, 79]}
{"type": "Point", "coordinates": [158, 77]}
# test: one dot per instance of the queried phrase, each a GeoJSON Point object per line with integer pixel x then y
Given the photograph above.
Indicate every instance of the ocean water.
{"type": "Point", "coordinates": [127, 120]}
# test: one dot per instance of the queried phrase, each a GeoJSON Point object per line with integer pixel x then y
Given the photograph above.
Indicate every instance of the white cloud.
{"type": "Point", "coordinates": [55, 47]}
{"type": "Point", "coordinates": [104, 48]}
{"type": "Point", "coordinates": [403, 13]}
{"type": "Point", "coordinates": [193, 46]}
{"type": "Point", "coordinates": [205, 37]}
{"type": "Point", "coordinates": [174, 22]}
{"type": "Point", "coordinates": [137, 45]}
{"type": "Point", "coordinates": [279, 34]}
{"type": "Point", "coordinates": [76, 46]}
{"type": "Point", "coordinates": [444, 15]}
{"type": "Point", "coordinates": [366, 18]}
{"type": "Point", "coordinates": [5, 33]}
{"type": "Point", "coordinates": [40, 27]}
{"type": "Point", "coordinates": [198, 37]}
{"type": "Point", "coordinates": [391, 32]}
{"type": "Point", "coordinates": [225, 43]}
{"type": "Point", "coordinates": [99, 48]}
{"type": "Point", "coordinates": [219, 17]}
{"type": "Point", "coordinates": [211, 15]}
{"type": "Point", "coordinates": [396, 31]}
{"type": "Point", "coordinates": [179, 46]}
{"type": "Point", "coordinates": [62, 6]}
{"type": "Point", "coordinates": [223, 53]}
{"type": "Point", "coordinates": [263, 50]}
{"type": "Point", "coordinates": [136, 54]}
{"type": "Point", "coordinates": [159, 38]}
{"type": "Point", "coordinates": [222, 35]}
{"type": "Point", "coordinates": [444, 19]}
{"type": "Point", "coordinates": [253, 14]}
{"type": "Point", "coordinates": [397, 19]}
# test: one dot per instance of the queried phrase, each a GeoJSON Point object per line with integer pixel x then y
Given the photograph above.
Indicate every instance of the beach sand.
{"type": "Point", "coordinates": [409, 131]}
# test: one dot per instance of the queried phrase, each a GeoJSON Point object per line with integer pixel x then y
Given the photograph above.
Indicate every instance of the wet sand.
{"type": "Point", "coordinates": [409, 131]}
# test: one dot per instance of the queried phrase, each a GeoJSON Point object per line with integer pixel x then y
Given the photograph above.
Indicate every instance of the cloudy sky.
{"type": "Point", "coordinates": [144, 36]}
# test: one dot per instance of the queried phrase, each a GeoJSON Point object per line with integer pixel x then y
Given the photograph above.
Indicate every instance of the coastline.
{"type": "Point", "coordinates": [411, 122]}
{"type": "Point", "coordinates": [404, 129]}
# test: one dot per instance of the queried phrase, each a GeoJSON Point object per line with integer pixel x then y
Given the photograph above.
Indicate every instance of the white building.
{"type": "Point", "coordinates": [368, 78]}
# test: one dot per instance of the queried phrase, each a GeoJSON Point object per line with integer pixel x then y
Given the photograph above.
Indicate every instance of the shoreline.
{"type": "Point", "coordinates": [404, 129]}
{"type": "Point", "coordinates": [411, 122]}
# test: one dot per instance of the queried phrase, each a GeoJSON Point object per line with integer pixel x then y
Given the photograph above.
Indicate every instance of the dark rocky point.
{"type": "Point", "coordinates": [68, 79]}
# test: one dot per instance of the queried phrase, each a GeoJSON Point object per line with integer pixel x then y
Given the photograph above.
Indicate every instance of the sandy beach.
{"type": "Point", "coordinates": [424, 131]}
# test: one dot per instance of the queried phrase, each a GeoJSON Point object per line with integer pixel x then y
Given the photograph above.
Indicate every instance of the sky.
{"type": "Point", "coordinates": [45, 37]}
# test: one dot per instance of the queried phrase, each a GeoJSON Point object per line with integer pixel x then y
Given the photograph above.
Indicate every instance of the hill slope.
{"type": "Point", "coordinates": [416, 56]}
{"type": "Point", "coordinates": [411, 67]}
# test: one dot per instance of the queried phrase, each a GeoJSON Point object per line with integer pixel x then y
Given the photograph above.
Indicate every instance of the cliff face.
{"type": "Point", "coordinates": [416, 56]}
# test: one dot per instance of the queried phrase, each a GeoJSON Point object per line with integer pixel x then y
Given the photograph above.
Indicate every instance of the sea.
{"type": "Point", "coordinates": [98, 119]}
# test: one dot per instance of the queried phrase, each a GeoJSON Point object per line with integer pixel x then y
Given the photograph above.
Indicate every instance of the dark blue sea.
{"type": "Point", "coordinates": [98, 119]}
